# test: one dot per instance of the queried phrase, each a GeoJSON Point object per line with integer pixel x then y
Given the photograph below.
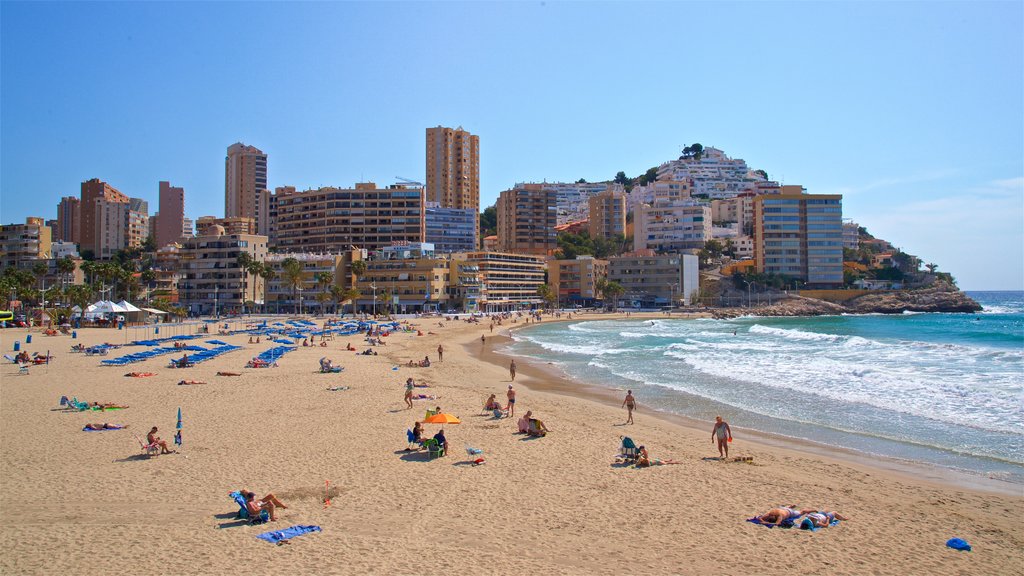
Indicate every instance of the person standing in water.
{"type": "Point", "coordinates": [630, 404]}
{"type": "Point", "coordinates": [723, 434]}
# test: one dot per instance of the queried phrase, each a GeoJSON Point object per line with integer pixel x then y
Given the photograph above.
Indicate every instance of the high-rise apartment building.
{"type": "Point", "coordinates": [800, 236]}
{"type": "Point", "coordinates": [527, 216]}
{"type": "Point", "coordinates": [236, 225]}
{"type": "Point", "coordinates": [89, 224]}
{"type": "Point", "coordinates": [332, 220]}
{"type": "Point", "coordinates": [245, 185]}
{"type": "Point", "coordinates": [169, 225]}
{"type": "Point", "coordinates": [453, 170]}
{"type": "Point", "coordinates": [671, 225]}
{"type": "Point", "coordinates": [451, 229]}
{"type": "Point", "coordinates": [607, 214]}
{"type": "Point", "coordinates": [68, 216]}
{"type": "Point", "coordinates": [210, 276]}
{"type": "Point", "coordinates": [23, 242]}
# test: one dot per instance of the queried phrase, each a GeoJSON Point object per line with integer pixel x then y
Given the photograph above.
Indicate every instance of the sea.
{"type": "Point", "coordinates": [943, 390]}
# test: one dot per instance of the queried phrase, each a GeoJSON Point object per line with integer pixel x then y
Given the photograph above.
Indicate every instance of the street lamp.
{"type": "Point", "coordinates": [216, 298]}
{"type": "Point", "coordinates": [373, 286]}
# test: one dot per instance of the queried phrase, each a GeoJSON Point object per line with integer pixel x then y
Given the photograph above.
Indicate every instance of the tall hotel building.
{"type": "Point", "coordinates": [170, 225]}
{"type": "Point", "coordinates": [68, 220]}
{"type": "Point", "coordinates": [451, 229]}
{"type": "Point", "coordinates": [453, 170]}
{"type": "Point", "coordinates": [527, 216]}
{"type": "Point", "coordinates": [607, 214]}
{"type": "Point", "coordinates": [245, 185]}
{"type": "Point", "coordinates": [800, 236]}
{"type": "Point", "coordinates": [93, 224]}
{"type": "Point", "coordinates": [334, 219]}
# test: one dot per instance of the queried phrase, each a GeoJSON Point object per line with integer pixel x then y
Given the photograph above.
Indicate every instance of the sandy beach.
{"type": "Point", "coordinates": [79, 502]}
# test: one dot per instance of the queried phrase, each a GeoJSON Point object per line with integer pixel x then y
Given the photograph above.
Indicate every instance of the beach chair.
{"type": "Point", "coordinates": [23, 370]}
{"type": "Point", "coordinates": [629, 450]}
{"type": "Point", "coordinates": [434, 449]}
{"type": "Point", "coordinates": [148, 449]}
{"type": "Point", "coordinates": [412, 440]}
{"type": "Point", "coordinates": [243, 510]}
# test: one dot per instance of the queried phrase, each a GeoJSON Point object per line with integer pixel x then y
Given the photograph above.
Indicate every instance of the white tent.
{"type": "Point", "coordinates": [128, 307]}
{"type": "Point", "coordinates": [105, 307]}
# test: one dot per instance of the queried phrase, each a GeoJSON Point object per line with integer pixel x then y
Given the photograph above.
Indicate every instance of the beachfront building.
{"type": "Point", "coordinates": [414, 278]}
{"type": "Point", "coordinates": [90, 224]}
{"type": "Point", "coordinates": [332, 220]}
{"type": "Point", "coordinates": [61, 249]}
{"type": "Point", "coordinates": [508, 281]}
{"type": "Point", "coordinates": [453, 171]}
{"type": "Point", "coordinates": [30, 241]}
{"type": "Point", "coordinates": [245, 185]}
{"type": "Point", "coordinates": [211, 279]}
{"type": "Point", "coordinates": [167, 271]}
{"type": "Point", "coordinates": [68, 220]}
{"type": "Point", "coordinates": [575, 281]}
{"type": "Point", "coordinates": [655, 280]}
{"type": "Point", "coordinates": [117, 227]}
{"type": "Point", "coordinates": [171, 220]}
{"type": "Point", "coordinates": [607, 214]}
{"type": "Point", "coordinates": [233, 225]}
{"type": "Point", "coordinates": [306, 294]}
{"type": "Point", "coordinates": [450, 229]}
{"type": "Point", "coordinates": [527, 220]}
{"type": "Point", "coordinates": [800, 237]}
{"type": "Point", "coordinates": [572, 198]}
{"type": "Point", "coordinates": [713, 176]}
{"type": "Point", "coordinates": [671, 225]}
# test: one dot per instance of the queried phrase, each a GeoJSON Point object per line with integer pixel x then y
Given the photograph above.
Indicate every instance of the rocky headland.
{"type": "Point", "coordinates": [939, 297]}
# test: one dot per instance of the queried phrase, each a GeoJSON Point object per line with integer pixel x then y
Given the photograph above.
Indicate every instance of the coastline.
{"type": "Point", "coordinates": [75, 501]}
{"type": "Point", "coordinates": [549, 378]}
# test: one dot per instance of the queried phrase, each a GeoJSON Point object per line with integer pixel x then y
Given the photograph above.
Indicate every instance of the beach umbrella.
{"type": "Point", "coordinates": [177, 435]}
{"type": "Point", "coordinates": [442, 419]}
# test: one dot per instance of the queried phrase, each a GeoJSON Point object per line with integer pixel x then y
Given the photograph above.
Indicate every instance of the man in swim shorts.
{"type": "Point", "coordinates": [511, 395]}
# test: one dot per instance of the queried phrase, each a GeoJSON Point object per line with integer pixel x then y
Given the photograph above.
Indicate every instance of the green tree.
{"type": "Point", "coordinates": [581, 181]}
{"type": "Point", "coordinates": [267, 274]}
{"type": "Point", "coordinates": [650, 176]}
{"type": "Point", "coordinates": [488, 222]}
{"type": "Point", "coordinates": [761, 173]}
{"type": "Point", "coordinates": [547, 294]}
{"type": "Point", "coordinates": [324, 280]}
{"type": "Point", "coordinates": [66, 267]}
{"type": "Point", "coordinates": [359, 268]}
{"type": "Point", "coordinates": [621, 178]}
{"type": "Point", "coordinates": [613, 290]}
{"type": "Point", "coordinates": [694, 151]}
{"type": "Point", "coordinates": [245, 261]}
{"type": "Point", "coordinates": [291, 272]}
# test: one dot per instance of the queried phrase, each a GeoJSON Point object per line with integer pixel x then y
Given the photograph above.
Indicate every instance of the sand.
{"type": "Point", "coordinates": [74, 502]}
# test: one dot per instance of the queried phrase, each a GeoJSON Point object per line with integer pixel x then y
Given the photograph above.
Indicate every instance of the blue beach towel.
{"type": "Point", "coordinates": [958, 544]}
{"type": "Point", "coordinates": [282, 535]}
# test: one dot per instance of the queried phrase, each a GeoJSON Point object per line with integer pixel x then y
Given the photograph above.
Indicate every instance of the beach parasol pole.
{"type": "Point", "coordinates": [327, 493]}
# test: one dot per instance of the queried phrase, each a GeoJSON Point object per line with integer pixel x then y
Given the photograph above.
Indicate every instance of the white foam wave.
{"type": "Point", "coordinates": [794, 334]}
{"type": "Point", "coordinates": [589, 350]}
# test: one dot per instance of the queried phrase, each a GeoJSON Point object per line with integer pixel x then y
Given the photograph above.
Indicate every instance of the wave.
{"type": "Point", "coordinates": [589, 350]}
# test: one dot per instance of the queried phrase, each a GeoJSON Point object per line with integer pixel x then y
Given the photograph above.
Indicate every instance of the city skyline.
{"type": "Point", "coordinates": [920, 129]}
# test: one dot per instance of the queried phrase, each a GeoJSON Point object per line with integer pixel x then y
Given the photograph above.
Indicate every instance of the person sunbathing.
{"type": "Point", "coordinates": [105, 406]}
{"type": "Point", "coordinates": [190, 382]}
{"type": "Point", "coordinates": [350, 347]}
{"type": "Point", "coordinates": [822, 518]}
{"type": "Point", "coordinates": [78, 348]}
{"type": "Point", "coordinates": [323, 344]}
{"type": "Point", "coordinates": [270, 503]}
{"type": "Point", "coordinates": [229, 373]}
{"type": "Point", "coordinates": [644, 459]}
{"type": "Point", "coordinates": [104, 426]}
{"type": "Point", "coordinates": [152, 438]}
{"type": "Point", "coordinates": [780, 515]}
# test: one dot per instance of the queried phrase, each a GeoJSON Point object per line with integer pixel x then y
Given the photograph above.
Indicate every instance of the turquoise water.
{"type": "Point", "coordinates": [943, 389]}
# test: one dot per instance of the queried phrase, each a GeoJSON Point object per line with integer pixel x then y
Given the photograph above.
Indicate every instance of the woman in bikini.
{"type": "Point", "coordinates": [270, 503]}
{"type": "Point", "coordinates": [782, 514]}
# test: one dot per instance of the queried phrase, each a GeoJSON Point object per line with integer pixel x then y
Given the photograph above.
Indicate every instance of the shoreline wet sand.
{"type": "Point", "coordinates": [77, 502]}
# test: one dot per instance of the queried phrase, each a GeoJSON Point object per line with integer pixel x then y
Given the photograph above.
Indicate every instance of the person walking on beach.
{"type": "Point", "coordinates": [409, 385]}
{"type": "Point", "coordinates": [483, 340]}
{"type": "Point", "coordinates": [511, 394]}
{"type": "Point", "coordinates": [512, 371]}
{"type": "Point", "coordinates": [440, 353]}
{"type": "Point", "coordinates": [723, 434]}
{"type": "Point", "coordinates": [630, 404]}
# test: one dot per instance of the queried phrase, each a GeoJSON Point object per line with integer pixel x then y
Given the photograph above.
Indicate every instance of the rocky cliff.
{"type": "Point", "coordinates": [940, 297]}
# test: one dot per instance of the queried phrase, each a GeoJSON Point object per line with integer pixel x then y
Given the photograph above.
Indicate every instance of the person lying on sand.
{"type": "Point", "coordinates": [109, 426]}
{"type": "Point", "coordinates": [270, 503]}
{"type": "Point", "coordinates": [190, 382]}
{"type": "Point", "coordinates": [782, 514]}
{"type": "Point", "coordinates": [152, 438]}
{"type": "Point", "coordinates": [229, 373]}
{"type": "Point", "coordinates": [822, 518]}
{"type": "Point", "coordinates": [105, 405]}
{"type": "Point", "coordinates": [644, 459]}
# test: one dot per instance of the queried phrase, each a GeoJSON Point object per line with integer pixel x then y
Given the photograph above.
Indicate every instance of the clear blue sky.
{"type": "Point", "coordinates": [912, 110]}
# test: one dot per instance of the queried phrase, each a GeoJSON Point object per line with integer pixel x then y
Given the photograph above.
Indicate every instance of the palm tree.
{"type": "Point", "coordinates": [614, 290]}
{"type": "Point", "coordinates": [148, 278]}
{"type": "Point", "coordinates": [358, 268]}
{"type": "Point", "coordinates": [267, 274]}
{"type": "Point", "coordinates": [79, 295]}
{"type": "Point", "coordinates": [244, 261]}
{"type": "Point", "coordinates": [255, 269]}
{"type": "Point", "coordinates": [292, 273]}
{"type": "Point", "coordinates": [66, 267]}
{"type": "Point", "coordinates": [546, 294]}
{"type": "Point", "coordinates": [324, 280]}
